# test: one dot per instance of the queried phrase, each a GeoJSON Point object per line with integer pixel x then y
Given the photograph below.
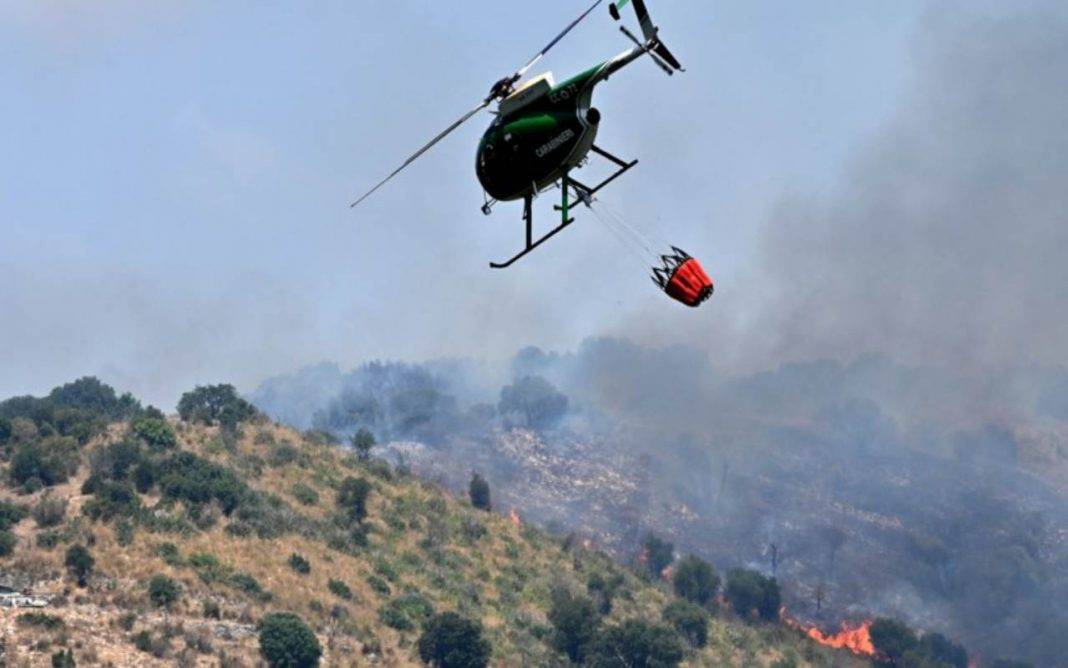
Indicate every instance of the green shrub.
{"type": "Point", "coordinates": [169, 553]}
{"type": "Point", "coordinates": [215, 403]}
{"type": "Point", "coordinates": [284, 454]}
{"type": "Point", "coordinates": [163, 591]}
{"type": "Point", "coordinates": [11, 514]}
{"type": "Point", "coordinates": [752, 594]}
{"type": "Point", "coordinates": [299, 564]}
{"type": "Point", "coordinates": [124, 532]}
{"type": "Point", "coordinates": [363, 441]}
{"type": "Point", "coordinates": [79, 563]}
{"type": "Point", "coordinates": [406, 611]}
{"type": "Point", "coordinates": [689, 620]}
{"type": "Point", "coordinates": [287, 642]}
{"type": "Point", "coordinates": [8, 541]}
{"type": "Point", "coordinates": [892, 638]}
{"type": "Point", "coordinates": [43, 463]}
{"type": "Point", "coordinates": [695, 580]}
{"type": "Point", "coordinates": [113, 499]}
{"type": "Point", "coordinates": [50, 511]}
{"type": "Point", "coordinates": [40, 620]}
{"type": "Point", "coordinates": [49, 539]}
{"type": "Point", "coordinates": [352, 498]}
{"type": "Point", "coordinates": [658, 554]}
{"type": "Point", "coordinates": [63, 659]}
{"type": "Point", "coordinates": [379, 585]}
{"type": "Point", "coordinates": [479, 491]}
{"type": "Point", "coordinates": [305, 494]}
{"type": "Point", "coordinates": [155, 433]}
{"type": "Point", "coordinates": [340, 589]}
{"type": "Point", "coordinates": [186, 477]}
{"type": "Point", "coordinates": [575, 620]}
{"type": "Point", "coordinates": [451, 641]}
{"type": "Point", "coordinates": [244, 582]}
{"type": "Point", "coordinates": [211, 609]}
{"type": "Point", "coordinates": [635, 642]}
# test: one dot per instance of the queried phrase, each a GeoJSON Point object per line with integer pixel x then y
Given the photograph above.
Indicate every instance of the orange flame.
{"type": "Point", "coordinates": [514, 516]}
{"type": "Point", "coordinates": [854, 637]}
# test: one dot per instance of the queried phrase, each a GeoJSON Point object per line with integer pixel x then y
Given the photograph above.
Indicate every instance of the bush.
{"type": "Point", "coordinates": [63, 659]}
{"type": "Point", "coordinates": [117, 459]}
{"type": "Point", "coordinates": [352, 498]}
{"type": "Point", "coordinates": [283, 454]}
{"type": "Point", "coordinates": [215, 403]}
{"type": "Point", "coordinates": [689, 620]}
{"type": "Point", "coordinates": [532, 402]}
{"type": "Point", "coordinates": [635, 643]}
{"type": "Point", "coordinates": [695, 580]}
{"type": "Point", "coordinates": [155, 433]}
{"type": "Point", "coordinates": [575, 620]}
{"type": "Point", "coordinates": [340, 589]}
{"type": "Point", "coordinates": [479, 491]}
{"type": "Point", "coordinates": [938, 648]}
{"type": "Point", "coordinates": [7, 542]}
{"type": "Point", "coordinates": [379, 585]}
{"type": "Point", "coordinates": [246, 583]}
{"type": "Point", "coordinates": [11, 514]}
{"type": "Point", "coordinates": [44, 463]}
{"type": "Point", "coordinates": [79, 563]}
{"type": "Point", "coordinates": [169, 553]}
{"type": "Point", "coordinates": [658, 554]}
{"type": "Point", "coordinates": [753, 595]}
{"type": "Point", "coordinates": [40, 620]}
{"type": "Point", "coordinates": [892, 638]}
{"type": "Point", "coordinates": [210, 609]}
{"type": "Point", "coordinates": [305, 494]}
{"type": "Point", "coordinates": [49, 511]}
{"type": "Point", "coordinates": [186, 477]}
{"type": "Point", "coordinates": [363, 441]}
{"type": "Point", "coordinates": [602, 590]}
{"type": "Point", "coordinates": [451, 641]}
{"type": "Point", "coordinates": [299, 564]}
{"type": "Point", "coordinates": [405, 612]}
{"type": "Point", "coordinates": [287, 642]}
{"type": "Point", "coordinates": [113, 499]}
{"type": "Point", "coordinates": [163, 591]}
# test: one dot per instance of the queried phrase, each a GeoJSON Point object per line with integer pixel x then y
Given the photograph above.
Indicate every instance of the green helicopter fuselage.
{"type": "Point", "coordinates": [542, 131]}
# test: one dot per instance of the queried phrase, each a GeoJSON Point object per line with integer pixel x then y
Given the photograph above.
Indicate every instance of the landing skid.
{"type": "Point", "coordinates": [583, 194]}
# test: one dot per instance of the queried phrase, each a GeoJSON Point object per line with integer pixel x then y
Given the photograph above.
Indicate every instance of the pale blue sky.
{"type": "Point", "coordinates": [175, 179]}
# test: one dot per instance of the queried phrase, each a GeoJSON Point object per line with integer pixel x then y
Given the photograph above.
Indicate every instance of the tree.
{"type": "Point", "coordinates": [163, 591]}
{"type": "Point", "coordinates": [532, 402]}
{"type": "Point", "coordinates": [352, 498]}
{"type": "Point", "coordinates": [8, 540]}
{"type": "Point", "coordinates": [892, 638]}
{"type": "Point", "coordinates": [155, 432]}
{"type": "Point", "coordinates": [752, 594]}
{"type": "Point", "coordinates": [215, 403]}
{"type": "Point", "coordinates": [287, 642]}
{"type": "Point", "coordinates": [44, 463]}
{"type": "Point", "coordinates": [575, 620]}
{"type": "Point", "coordinates": [695, 580]}
{"type": "Point", "coordinates": [658, 554]}
{"type": "Point", "coordinates": [940, 648]}
{"type": "Point", "coordinates": [451, 641]}
{"type": "Point", "coordinates": [689, 620]}
{"type": "Point", "coordinates": [80, 563]}
{"type": "Point", "coordinates": [362, 442]}
{"type": "Point", "coordinates": [635, 642]}
{"type": "Point", "coordinates": [479, 491]}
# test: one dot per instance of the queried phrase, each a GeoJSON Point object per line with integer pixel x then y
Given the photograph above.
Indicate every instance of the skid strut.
{"type": "Point", "coordinates": [583, 194]}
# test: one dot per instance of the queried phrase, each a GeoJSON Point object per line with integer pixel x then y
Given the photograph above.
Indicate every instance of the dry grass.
{"type": "Point", "coordinates": [418, 542]}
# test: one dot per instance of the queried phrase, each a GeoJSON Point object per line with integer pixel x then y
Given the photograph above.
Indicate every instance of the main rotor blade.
{"type": "Point", "coordinates": [423, 150]}
{"type": "Point", "coordinates": [550, 45]}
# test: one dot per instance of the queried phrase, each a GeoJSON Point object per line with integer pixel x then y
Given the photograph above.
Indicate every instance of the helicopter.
{"type": "Point", "coordinates": [543, 130]}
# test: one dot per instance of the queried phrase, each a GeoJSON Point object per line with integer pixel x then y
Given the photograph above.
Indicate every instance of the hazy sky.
{"type": "Point", "coordinates": [175, 178]}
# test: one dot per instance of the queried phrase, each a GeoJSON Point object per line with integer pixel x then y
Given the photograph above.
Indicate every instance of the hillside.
{"type": "Point", "coordinates": [221, 509]}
